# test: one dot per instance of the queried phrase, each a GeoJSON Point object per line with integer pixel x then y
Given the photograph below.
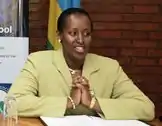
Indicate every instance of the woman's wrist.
{"type": "Point", "coordinates": [92, 103]}
{"type": "Point", "coordinates": [70, 103]}
{"type": "Point", "coordinates": [93, 99]}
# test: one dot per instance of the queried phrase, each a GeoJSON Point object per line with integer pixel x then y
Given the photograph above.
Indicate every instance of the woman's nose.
{"type": "Point", "coordinates": [80, 38]}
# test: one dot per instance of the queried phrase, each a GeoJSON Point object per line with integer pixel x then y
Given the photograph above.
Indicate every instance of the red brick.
{"type": "Point", "coordinates": [144, 44]}
{"type": "Point", "coordinates": [144, 61]}
{"type": "Point", "coordinates": [142, 18]}
{"type": "Point", "coordinates": [104, 51]}
{"type": "Point", "coordinates": [146, 26]}
{"type": "Point", "coordinates": [107, 34]}
{"type": "Point", "coordinates": [147, 78]}
{"type": "Point", "coordinates": [147, 87]}
{"type": "Point", "coordinates": [35, 16]}
{"type": "Point", "coordinates": [112, 26]}
{"type": "Point", "coordinates": [160, 61]}
{"type": "Point", "coordinates": [38, 24]}
{"type": "Point", "coordinates": [155, 53]}
{"type": "Point", "coordinates": [155, 35]}
{"type": "Point", "coordinates": [105, 17]}
{"type": "Point", "coordinates": [34, 1]}
{"type": "Point", "coordinates": [140, 70]}
{"type": "Point", "coordinates": [38, 33]}
{"type": "Point", "coordinates": [134, 35]}
{"type": "Point", "coordinates": [145, 9]}
{"type": "Point", "coordinates": [160, 104]}
{"type": "Point", "coordinates": [117, 43]}
{"type": "Point", "coordinates": [38, 41]}
{"type": "Point", "coordinates": [158, 111]}
{"type": "Point", "coordinates": [133, 52]}
{"type": "Point", "coordinates": [99, 1]}
{"type": "Point", "coordinates": [37, 7]}
{"type": "Point", "coordinates": [38, 44]}
{"type": "Point", "coordinates": [123, 60]}
{"type": "Point", "coordinates": [160, 44]}
{"type": "Point", "coordinates": [37, 48]}
{"type": "Point", "coordinates": [158, 107]}
{"type": "Point", "coordinates": [107, 8]}
{"type": "Point", "coordinates": [154, 97]}
{"type": "Point", "coordinates": [142, 2]}
{"type": "Point", "coordinates": [33, 8]}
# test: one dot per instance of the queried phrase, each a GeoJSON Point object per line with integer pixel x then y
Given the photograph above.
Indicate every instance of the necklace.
{"type": "Point", "coordinates": [74, 71]}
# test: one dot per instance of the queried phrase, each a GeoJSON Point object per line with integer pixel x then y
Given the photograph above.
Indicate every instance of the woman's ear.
{"type": "Point", "coordinates": [59, 36]}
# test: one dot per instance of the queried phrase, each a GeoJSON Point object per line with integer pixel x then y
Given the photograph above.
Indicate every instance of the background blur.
{"type": "Point", "coordinates": [127, 30]}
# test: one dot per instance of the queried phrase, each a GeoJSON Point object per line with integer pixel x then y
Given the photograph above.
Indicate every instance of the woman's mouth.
{"type": "Point", "coordinates": [79, 49]}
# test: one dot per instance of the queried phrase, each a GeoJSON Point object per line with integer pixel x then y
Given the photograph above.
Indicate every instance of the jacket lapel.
{"type": "Point", "coordinates": [60, 63]}
{"type": "Point", "coordinates": [90, 66]}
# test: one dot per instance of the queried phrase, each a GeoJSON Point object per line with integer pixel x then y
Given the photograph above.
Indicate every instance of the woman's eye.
{"type": "Point", "coordinates": [87, 34]}
{"type": "Point", "coordinates": [73, 33]}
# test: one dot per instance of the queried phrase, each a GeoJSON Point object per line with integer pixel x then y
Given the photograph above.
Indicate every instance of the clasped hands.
{"type": "Point", "coordinates": [80, 92]}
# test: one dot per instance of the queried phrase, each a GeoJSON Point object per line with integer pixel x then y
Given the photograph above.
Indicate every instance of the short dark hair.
{"type": "Point", "coordinates": [61, 22]}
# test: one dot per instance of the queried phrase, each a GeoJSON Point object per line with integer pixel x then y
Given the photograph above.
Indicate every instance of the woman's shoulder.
{"type": "Point", "coordinates": [106, 64]}
{"type": "Point", "coordinates": [41, 55]}
{"type": "Point", "coordinates": [103, 60]}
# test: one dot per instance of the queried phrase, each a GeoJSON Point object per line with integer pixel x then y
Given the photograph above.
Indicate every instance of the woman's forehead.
{"type": "Point", "coordinates": [77, 20]}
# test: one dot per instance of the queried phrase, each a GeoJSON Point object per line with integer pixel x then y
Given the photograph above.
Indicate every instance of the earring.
{"type": "Point", "coordinates": [59, 40]}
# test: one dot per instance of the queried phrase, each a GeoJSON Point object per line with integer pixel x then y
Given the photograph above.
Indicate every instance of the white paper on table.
{"type": "Point", "coordinates": [84, 120]}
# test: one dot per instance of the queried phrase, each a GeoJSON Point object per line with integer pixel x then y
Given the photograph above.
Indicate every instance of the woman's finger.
{"type": "Point", "coordinates": [85, 81]}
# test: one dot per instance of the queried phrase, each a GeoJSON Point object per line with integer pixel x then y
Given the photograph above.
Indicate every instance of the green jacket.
{"type": "Point", "coordinates": [44, 83]}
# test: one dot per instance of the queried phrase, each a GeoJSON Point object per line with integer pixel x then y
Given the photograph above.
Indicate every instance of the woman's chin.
{"type": "Point", "coordinates": [80, 56]}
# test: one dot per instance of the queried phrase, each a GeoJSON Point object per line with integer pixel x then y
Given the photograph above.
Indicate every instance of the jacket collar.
{"type": "Point", "coordinates": [89, 67]}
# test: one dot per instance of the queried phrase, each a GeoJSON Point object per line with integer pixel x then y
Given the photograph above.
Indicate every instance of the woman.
{"type": "Point", "coordinates": [71, 81]}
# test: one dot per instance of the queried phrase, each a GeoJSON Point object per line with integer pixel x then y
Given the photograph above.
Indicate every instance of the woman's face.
{"type": "Point", "coordinates": [76, 36]}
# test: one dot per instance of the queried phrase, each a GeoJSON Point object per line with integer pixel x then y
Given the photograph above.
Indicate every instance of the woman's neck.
{"type": "Point", "coordinates": [72, 63]}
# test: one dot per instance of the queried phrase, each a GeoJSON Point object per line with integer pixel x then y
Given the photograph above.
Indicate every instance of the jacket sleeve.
{"type": "Point", "coordinates": [25, 89]}
{"type": "Point", "coordinates": [127, 101]}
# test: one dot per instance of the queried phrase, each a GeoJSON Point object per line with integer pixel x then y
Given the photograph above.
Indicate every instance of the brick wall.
{"type": "Point", "coordinates": [38, 21]}
{"type": "Point", "coordinates": [127, 30]}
